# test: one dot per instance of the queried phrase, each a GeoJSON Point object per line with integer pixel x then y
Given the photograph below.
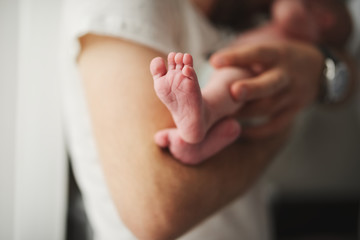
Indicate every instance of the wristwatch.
{"type": "Point", "coordinates": [335, 80]}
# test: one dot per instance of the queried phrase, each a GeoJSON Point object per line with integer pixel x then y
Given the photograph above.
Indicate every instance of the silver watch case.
{"type": "Point", "coordinates": [336, 80]}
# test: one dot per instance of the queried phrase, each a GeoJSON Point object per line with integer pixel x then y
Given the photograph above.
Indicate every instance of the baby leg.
{"type": "Point", "coordinates": [220, 136]}
{"type": "Point", "coordinates": [217, 94]}
{"type": "Point", "coordinates": [179, 90]}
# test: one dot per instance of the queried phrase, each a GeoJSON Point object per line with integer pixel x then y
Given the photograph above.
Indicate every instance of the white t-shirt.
{"type": "Point", "coordinates": [164, 25]}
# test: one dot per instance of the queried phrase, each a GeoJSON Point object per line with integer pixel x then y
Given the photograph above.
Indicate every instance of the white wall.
{"type": "Point", "coordinates": [32, 157]}
{"type": "Point", "coordinates": [8, 84]}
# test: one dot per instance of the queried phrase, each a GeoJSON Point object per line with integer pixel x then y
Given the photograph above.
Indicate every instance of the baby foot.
{"type": "Point", "coordinates": [220, 136]}
{"type": "Point", "coordinates": [178, 88]}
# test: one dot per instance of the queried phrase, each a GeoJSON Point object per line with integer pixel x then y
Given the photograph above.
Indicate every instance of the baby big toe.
{"type": "Point", "coordinates": [157, 67]}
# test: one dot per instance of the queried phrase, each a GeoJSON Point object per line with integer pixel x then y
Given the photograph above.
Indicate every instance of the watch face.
{"type": "Point", "coordinates": [338, 86]}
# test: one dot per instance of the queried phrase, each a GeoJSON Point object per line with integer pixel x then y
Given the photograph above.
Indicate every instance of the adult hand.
{"type": "Point", "coordinates": [287, 78]}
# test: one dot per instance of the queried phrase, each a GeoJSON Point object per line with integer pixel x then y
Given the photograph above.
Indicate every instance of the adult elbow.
{"type": "Point", "coordinates": [151, 224]}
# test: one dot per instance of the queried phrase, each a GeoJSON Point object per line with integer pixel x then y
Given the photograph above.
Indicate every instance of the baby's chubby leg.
{"type": "Point", "coordinates": [217, 94]}
{"type": "Point", "coordinates": [219, 136]}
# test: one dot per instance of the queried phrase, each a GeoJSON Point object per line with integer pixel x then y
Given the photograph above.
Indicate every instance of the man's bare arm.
{"type": "Point", "coordinates": [156, 196]}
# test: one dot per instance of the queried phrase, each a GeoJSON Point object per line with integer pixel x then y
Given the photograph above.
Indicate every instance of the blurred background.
{"type": "Point", "coordinates": [33, 173]}
{"type": "Point", "coordinates": [312, 199]}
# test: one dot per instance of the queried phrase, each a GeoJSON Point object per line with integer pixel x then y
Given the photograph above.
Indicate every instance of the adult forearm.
{"type": "Point", "coordinates": [156, 196]}
{"type": "Point", "coordinates": [165, 199]}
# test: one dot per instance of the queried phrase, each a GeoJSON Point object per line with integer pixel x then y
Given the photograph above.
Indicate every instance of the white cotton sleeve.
{"type": "Point", "coordinates": [153, 23]}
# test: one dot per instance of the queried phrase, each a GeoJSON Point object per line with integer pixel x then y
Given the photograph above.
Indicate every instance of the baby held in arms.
{"type": "Point", "coordinates": [203, 117]}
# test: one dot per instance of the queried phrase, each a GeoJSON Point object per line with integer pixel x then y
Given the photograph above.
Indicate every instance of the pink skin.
{"type": "Point", "coordinates": [199, 115]}
{"type": "Point", "coordinates": [179, 90]}
{"type": "Point", "coordinates": [218, 137]}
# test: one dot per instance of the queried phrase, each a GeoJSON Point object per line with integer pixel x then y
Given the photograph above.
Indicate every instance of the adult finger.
{"type": "Point", "coordinates": [261, 86]}
{"type": "Point", "coordinates": [274, 126]}
{"type": "Point", "coordinates": [246, 56]}
{"type": "Point", "coordinates": [265, 107]}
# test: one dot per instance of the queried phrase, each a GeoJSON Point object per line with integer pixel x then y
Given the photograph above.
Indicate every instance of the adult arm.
{"type": "Point", "coordinates": [156, 196]}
